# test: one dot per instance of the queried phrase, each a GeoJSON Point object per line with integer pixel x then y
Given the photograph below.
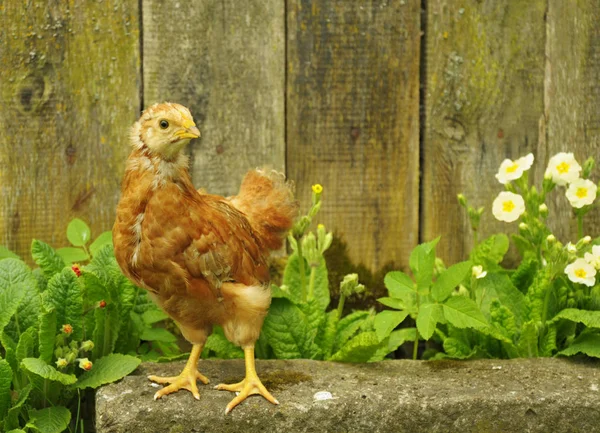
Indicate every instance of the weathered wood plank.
{"type": "Point", "coordinates": [573, 99]}
{"type": "Point", "coordinates": [224, 60]}
{"type": "Point", "coordinates": [69, 91]}
{"type": "Point", "coordinates": [353, 120]}
{"type": "Point", "coordinates": [484, 100]}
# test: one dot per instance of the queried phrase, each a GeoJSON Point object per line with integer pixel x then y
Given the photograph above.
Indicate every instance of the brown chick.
{"type": "Point", "coordinates": [202, 257]}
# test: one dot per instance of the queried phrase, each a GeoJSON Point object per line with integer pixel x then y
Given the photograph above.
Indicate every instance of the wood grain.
{"type": "Point", "coordinates": [484, 100]}
{"type": "Point", "coordinates": [224, 59]}
{"type": "Point", "coordinates": [572, 111]}
{"type": "Point", "coordinates": [69, 91]}
{"type": "Point", "coordinates": [353, 120]}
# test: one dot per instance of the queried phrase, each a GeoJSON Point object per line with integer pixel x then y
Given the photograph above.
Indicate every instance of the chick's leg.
{"type": "Point", "coordinates": [249, 386]}
{"type": "Point", "coordinates": [186, 379]}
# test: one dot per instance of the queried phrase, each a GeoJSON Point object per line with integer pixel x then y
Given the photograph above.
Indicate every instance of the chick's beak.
{"type": "Point", "coordinates": [189, 132]}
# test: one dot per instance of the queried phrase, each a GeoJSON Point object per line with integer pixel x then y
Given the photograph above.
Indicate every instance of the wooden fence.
{"type": "Point", "coordinates": [395, 106]}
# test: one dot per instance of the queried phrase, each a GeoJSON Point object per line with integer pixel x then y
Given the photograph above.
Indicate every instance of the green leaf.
{"type": "Point", "coordinates": [50, 420]}
{"type": "Point", "coordinates": [359, 349]}
{"type": "Point", "coordinates": [11, 422]}
{"type": "Point", "coordinates": [106, 330]}
{"type": "Point", "coordinates": [154, 315]}
{"type": "Point", "coordinates": [46, 258]}
{"type": "Point", "coordinates": [292, 280]}
{"type": "Point", "coordinates": [327, 333]}
{"type": "Point", "coordinates": [591, 319]}
{"type": "Point", "coordinates": [6, 375]}
{"type": "Point", "coordinates": [399, 284]}
{"type": "Point", "coordinates": [78, 233]}
{"type": "Point", "coordinates": [528, 342]}
{"type": "Point", "coordinates": [100, 242]}
{"type": "Point", "coordinates": [457, 349]}
{"type": "Point", "coordinates": [221, 346]}
{"type": "Point", "coordinates": [158, 334]}
{"type": "Point", "coordinates": [422, 261]}
{"type": "Point", "coordinates": [40, 368]}
{"type": "Point", "coordinates": [64, 296]}
{"type": "Point", "coordinates": [72, 255]}
{"type": "Point", "coordinates": [107, 369]}
{"type": "Point", "coordinates": [462, 312]}
{"type": "Point", "coordinates": [15, 272]}
{"type": "Point", "coordinates": [347, 327]}
{"type": "Point", "coordinates": [287, 330]}
{"type": "Point", "coordinates": [47, 335]}
{"type": "Point", "coordinates": [449, 279]}
{"type": "Point", "coordinates": [587, 343]}
{"type": "Point", "coordinates": [500, 286]}
{"type": "Point", "coordinates": [428, 318]}
{"type": "Point", "coordinates": [26, 344]}
{"type": "Point", "coordinates": [386, 322]}
{"type": "Point", "coordinates": [490, 250]}
{"type": "Point", "coordinates": [10, 298]}
{"type": "Point", "coordinates": [5, 253]}
{"type": "Point", "coordinates": [396, 303]}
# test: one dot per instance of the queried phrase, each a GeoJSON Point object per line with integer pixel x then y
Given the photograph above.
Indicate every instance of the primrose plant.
{"type": "Point", "coordinates": [549, 305]}
{"type": "Point", "coordinates": [67, 327]}
{"type": "Point", "coordinates": [299, 324]}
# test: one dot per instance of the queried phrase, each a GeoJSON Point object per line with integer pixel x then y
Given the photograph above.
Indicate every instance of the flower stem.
{"type": "Point", "coordinates": [340, 307]}
{"type": "Point", "coordinates": [416, 345]}
{"type": "Point", "coordinates": [302, 270]}
{"type": "Point", "coordinates": [311, 282]}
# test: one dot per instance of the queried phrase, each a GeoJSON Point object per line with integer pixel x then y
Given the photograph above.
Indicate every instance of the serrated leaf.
{"type": "Point", "coordinates": [5, 253]}
{"type": "Point", "coordinates": [100, 242]}
{"type": "Point", "coordinates": [6, 375]}
{"type": "Point", "coordinates": [490, 250]}
{"type": "Point", "coordinates": [47, 335]}
{"type": "Point", "coordinates": [421, 262]}
{"type": "Point", "coordinates": [46, 258]}
{"type": "Point", "coordinates": [292, 280]}
{"type": "Point", "coordinates": [500, 286]}
{"type": "Point", "coordinates": [395, 303]}
{"type": "Point", "coordinates": [158, 334]}
{"type": "Point", "coordinates": [386, 322]}
{"type": "Point", "coordinates": [347, 327]}
{"type": "Point", "coordinates": [10, 298]}
{"type": "Point", "coordinates": [223, 348]}
{"type": "Point", "coordinates": [588, 344]}
{"type": "Point", "coordinates": [449, 279]}
{"type": "Point", "coordinates": [64, 296]}
{"type": "Point", "coordinates": [359, 349]}
{"type": "Point", "coordinates": [11, 421]}
{"type": "Point", "coordinates": [528, 341]}
{"type": "Point", "coordinates": [72, 255]}
{"type": "Point", "coordinates": [78, 233]}
{"type": "Point", "coordinates": [591, 319]}
{"type": "Point", "coordinates": [457, 349]}
{"type": "Point", "coordinates": [108, 369]}
{"type": "Point", "coordinates": [46, 371]}
{"type": "Point", "coordinates": [462, 312]}
{"type": "Point", "coordinates": [49, 420]}
{"type": "Point", "coordinates": [327, 332]}
{"type": "Point", "coordinates": [393, 342]}
{"type": "Point", "coordinates": [106, 330]}
{"type": "Point", "coordinates": [287, 330]}
{"type": "Point", "coordinates": [399, 284]}
{"type": "Point", "coordinates": [428, 318]}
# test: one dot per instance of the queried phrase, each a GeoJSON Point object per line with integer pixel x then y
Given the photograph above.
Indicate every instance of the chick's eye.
{"type": "Point", "coordinates": [163, 124]}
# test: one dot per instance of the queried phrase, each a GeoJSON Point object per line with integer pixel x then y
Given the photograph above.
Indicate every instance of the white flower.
{"type": "Point", "coordinates": [478, 272]}
{"type": "Point", "coordinates": [581, 192]}
{"type": "Point", "coordinates": [563, 168]}
{"type": "Point", "coordinates": [571, 248]}
{"type": "Point", "coordinates": [511, 170]}
{"type": "Point", "coordinates": [508, 206]}
{"type": "Point", "coordinates": [593, 258]}
{"type": "Point", "coordinates": [581, 272]}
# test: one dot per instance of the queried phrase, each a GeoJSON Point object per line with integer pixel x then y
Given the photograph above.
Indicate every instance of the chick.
{"type": "Point", "coordinates": [202, 257]}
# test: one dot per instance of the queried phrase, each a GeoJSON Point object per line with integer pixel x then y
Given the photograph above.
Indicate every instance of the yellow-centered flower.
{"type": "Point", "coordinates": [580, 271]}
{"type": "Point", "coordinates": [581, 192]}
{"type": "Point", "coordinates": [508, 207]}
{"type": "Point", "coordinates": [563, 168]}
{"type": "Point", "coordinates": [512, 170]}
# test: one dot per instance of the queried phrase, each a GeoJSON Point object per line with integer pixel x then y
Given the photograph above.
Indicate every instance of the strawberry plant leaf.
{"type": "Point", "coordinates": [107, 369]}
{"type": "Point", "coordinates": [78, 233]}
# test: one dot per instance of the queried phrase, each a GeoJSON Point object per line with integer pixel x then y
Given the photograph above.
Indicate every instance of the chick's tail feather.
{"type": "Point", "coordinates": [267, 200]}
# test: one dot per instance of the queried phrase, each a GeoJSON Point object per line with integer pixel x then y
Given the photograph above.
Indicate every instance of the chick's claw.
{"type": "Point", "coordinates": [247, 387]}
{"type": "Point", "coordinates": [186, 380]}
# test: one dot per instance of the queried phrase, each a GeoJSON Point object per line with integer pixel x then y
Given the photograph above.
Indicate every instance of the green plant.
{"type": "Point", "coordinates": [299, 324]}
{"type": "Point", "coordinates": [549, 305]}
{"type": "Point", "coordinates": [65, 328]}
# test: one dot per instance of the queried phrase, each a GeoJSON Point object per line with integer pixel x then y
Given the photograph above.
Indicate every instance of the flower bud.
{"type": "Point", "coordinates": [102, 304]}
{"type": "Point", "coordinates": [62, 363]}
{"type": "Point", "coordinates": [67, 329]}
{"type": "Point", "coordinates": [75, 268]}
{"type": "Point", "coordinates": [85, 364]}
{"type": "Point", "coordinates": [543, 210]}
{"type": "Point", "coordinates": [350, 285]}
{"type": "Point", "coordinates": [86, 346]}
{"type": "Point", "coordinates": [523, 227]}
{"type": "Point", "coordinates": [462, 200]}
{"type": "Point", "coordinates": [551, 238]}
{"type": "Point", "coordinates": [588, 166]}
{"type": "Point", "coordinates": [571, 248]}
{"type": "Point", "coordinates": [478, 272]}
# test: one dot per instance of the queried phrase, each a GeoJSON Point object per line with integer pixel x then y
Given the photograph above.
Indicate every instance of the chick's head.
{"type": "Point", "coordinates": [164, 129]}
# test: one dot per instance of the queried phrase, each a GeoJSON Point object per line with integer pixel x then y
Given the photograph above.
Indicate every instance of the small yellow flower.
{"type": "Point", "coordinates": [317, 188]}
{"type": "Point", "coordinates": [320, 227]}
{"type": "Point", "coordinates": [581, 192]}
{"type": "Point", "coordinates": [512, 170]}
{"type": "Point", "coordinates": [563, 168]}
{"type": "Point", "coordinates": [508, 207]}
{"type": "Point", "coordinates": [62, 363]}
{"type": "Point", "coordinates": [581, 272]}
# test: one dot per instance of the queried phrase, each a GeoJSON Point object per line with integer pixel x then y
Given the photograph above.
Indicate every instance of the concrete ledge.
{"type": "Point", "coordinates": [541, 395]}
